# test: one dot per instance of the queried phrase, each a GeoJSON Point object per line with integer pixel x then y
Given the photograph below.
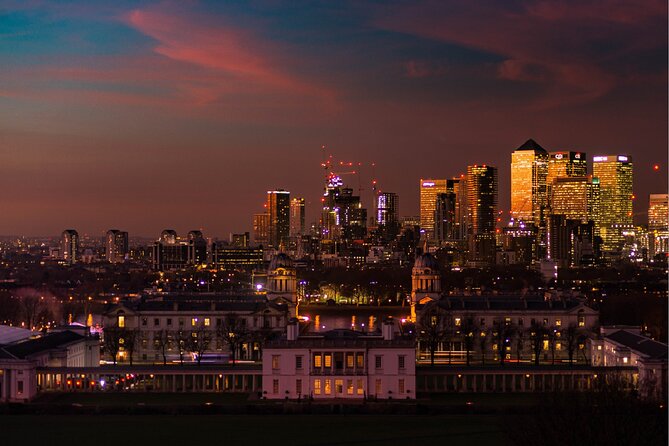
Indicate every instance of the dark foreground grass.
{"type": "Point", "coordinates": [296, 430]}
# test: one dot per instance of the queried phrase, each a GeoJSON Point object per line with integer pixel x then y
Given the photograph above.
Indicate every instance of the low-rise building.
{"type": "Point", "coordinates": [340, 364]}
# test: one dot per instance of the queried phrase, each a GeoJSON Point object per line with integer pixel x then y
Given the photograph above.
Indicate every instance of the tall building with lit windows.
{"type": "Point", "coordinates": [482, 185]}
{"type": "Point", "coordinates": [566, 164]}
{"type": "Point", "coordinates": [261, 228]}
{"type": "Point", "coordinates": [658, 224]}
{"type": "Point", "coordinates": [458, 187]}
{"type": "Point", "coordinates": [576, 198]}
{"type": "Point", "coordinates": [69, 246]}
{"type": "Point", "coordinates": [529, 172]}
{"type": "Point", "coordinates": [278, 209]}
{"type": "Point", "coordinates": [429, 188]}
{"type": "Point", "coordinates": [116, 246]}
{"type": "Point", "coordinates": [297, 217]}
{"type": "Point", "coordinates": [615, 174]}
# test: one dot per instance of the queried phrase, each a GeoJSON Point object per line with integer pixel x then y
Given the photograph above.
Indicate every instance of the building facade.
{"type": "Point", "coordinates": [429, 188]}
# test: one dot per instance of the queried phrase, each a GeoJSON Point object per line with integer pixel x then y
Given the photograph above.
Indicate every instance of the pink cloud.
{"type": "Point", "coordinates": [552, 45]}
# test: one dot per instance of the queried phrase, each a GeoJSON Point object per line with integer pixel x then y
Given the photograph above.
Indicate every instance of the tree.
{"type": "Point", "coordinates": [502, 334]}
{"type": "Point", "coordinates": [483, 342]}
{"type": "Point", "coordinates": [520, 343]}
{"type": "Point", "coordinates": [180, 339]}
{"type": "Point", "coordinates": [198, 342]}
{"type": "Point", "coordinates": [162, 340]}
{"type": "Point", "coordinates": [431, 330]}
{"type": "Point", "coordinates": [469, 331]}
{"type": "Point", "coordinates": [233, 332]}
{"type": "Point", "coordinates": [112, 341]}
{"type": "Point", "coordinates": [553, 336]}
{"type": "Point", "coordinates": [571, 339]}
{"type": "Point", "coordinates": [537, 335]}
{"type": "Point", "coordinates": [129, 341]}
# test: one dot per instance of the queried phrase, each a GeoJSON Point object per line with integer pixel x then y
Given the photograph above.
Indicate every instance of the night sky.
{"type": "Point", "coordinates": [145, 115]}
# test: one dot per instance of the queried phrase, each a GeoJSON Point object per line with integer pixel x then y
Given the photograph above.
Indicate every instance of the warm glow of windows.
{"type": "Point", "coordinates": [349, 360]}
{"type": "Point", "coordinates": [317, 387]}
{"type": "Point", "coordinates": [193, 322]}
{"type": "Point", "coordinates": [121, 321]}
{"type": "Point", "coordinates": [339, 386]}
{"type": "Point", "coordinates": [360, 387]}
{"type": "Point", "coordinates": [328, 386]}
{"type": "Point", "coordinates": [328, 360]}
{"type": "Point", "coordinates": [545, 344]}
{"type": "Point", "coordinates": [318, 361]}
{"type": "Point", "coordinates": [349, 387]}
{"type": "Point", "coordinates": [360, 360]}
{"type": "Point", "coordinates": [458, 322]}
{"type": "Point", "coordinates": [558, 322]}
{"type": "Point", "coordinates": [207, 321]}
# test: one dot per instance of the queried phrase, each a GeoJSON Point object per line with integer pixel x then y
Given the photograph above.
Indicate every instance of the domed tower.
{"type": "Point", "coordinates": [425, 281]}
{"type": "Point", "coordinates": [282, 280]}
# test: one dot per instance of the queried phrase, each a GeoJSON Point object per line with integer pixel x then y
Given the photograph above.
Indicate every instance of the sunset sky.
{"type": "Point", "coordinates": [147, 115]}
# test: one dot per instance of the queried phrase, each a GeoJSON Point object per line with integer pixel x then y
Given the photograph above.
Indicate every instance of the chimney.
{"type": "Point", "coordinates": [387, 329]}
{"type": "Point", "coordinates": [293, 329]}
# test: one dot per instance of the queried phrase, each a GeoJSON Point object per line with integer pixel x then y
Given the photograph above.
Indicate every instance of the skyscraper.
{"type": "Point", "coordinates": [566, 164]}
{"type": "Point", "coordinates": [261, 228]}
{"type": "Point", "coordinates": [658, 224]}
{"type": "Point", "coordinates": [576, 198]}
{"type": "Point", "coordinates": [444, 217]}
{"type": "Point", "coordinates": [429, 188]}
{"type": "Point", "coordinates": [116, 246]}
{"type": "Point", "coordinates": [458, 186]}
{"type": "Point", "coordinates": [297, 217]}
{"type": "Point", "coordinates": [387, 208]}
{"type": "Point", "coordinates": [197, 248]}
{"type": "Point", "coordinates": [69, 246]}
{"type": "Point", "coordinates": [482, 185]}
{"type": "Point", "coordinates": [278, 209]}
{"type": "Point", "coordinates": [529, 170]}
{"type": "Point", "coordinates": [615, 174]}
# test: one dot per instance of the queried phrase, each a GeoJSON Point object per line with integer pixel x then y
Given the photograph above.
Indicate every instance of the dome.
{"type": "Point", "coordinates": [426, 261]}
{"type": "Point", "coordinates": [280, 260]}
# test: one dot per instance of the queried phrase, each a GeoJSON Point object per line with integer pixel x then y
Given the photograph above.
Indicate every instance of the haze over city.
{"type": "Point", "coordinates": [146, 115]}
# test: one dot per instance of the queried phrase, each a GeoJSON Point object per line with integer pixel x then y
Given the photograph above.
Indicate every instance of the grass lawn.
{"type": "Point", "coordinates": [250, 430]}
{"type": "Point", "coordinates": [149, 399]}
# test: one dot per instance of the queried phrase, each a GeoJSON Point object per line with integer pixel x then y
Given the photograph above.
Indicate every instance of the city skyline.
{"type": "Point", "coordinates": [165, 115]}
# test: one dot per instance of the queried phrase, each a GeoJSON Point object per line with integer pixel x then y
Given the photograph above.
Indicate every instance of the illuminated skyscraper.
{"type": "Point", "coordinates": [387, 208]}
{"type": "Point", "coordinates": [458, 186]}
{"type": "Point", "coordinates": [116, 246]}
{"type": "Point", "coordinates": [444, 217]}
{"type": "Point", "coordinates": [278, 209]}
{"type": "Point", "coordinates": [576, 198]}
{"type": "Point", "coordinates": [482, 185]}
{"type": "Point", "coordinates": [69, 246]}
{"type": "Point", "coordinates": [658, 224]}
{"type": "Point", "coordinates": [529, 170]}
{"type": "Point", "coordinates": [615, 174]}
{"type": "Point", "coordinates": [566, 164]}
{"type": "Point", "coordinates": [297, 217]}
{"type": "Point", "coordinates": [261, 228]}
{"type": "Point", "coordinates": [429, 188]}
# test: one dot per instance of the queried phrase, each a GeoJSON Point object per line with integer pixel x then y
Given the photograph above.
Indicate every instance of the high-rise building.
{"type": "Point", "coordinates": [615, 174]}
{"type": "Point", "coordinates": [197, 248]}
{"type": "Point", "coordinates": [429, 188]}
{"type": "Point", "coordinates": [658, 224]}
{"type": "Point", "coordinates": [458, 186]}
{"type": "Point", "coordinates": [278, 209]}
{"type": "Point", "coordinates": [529, 170]}
{"type": "Point", "coordinates": [444, 217]}
{"type": "Point", "coordinates": [387, 215]}
{"type": "Point", "coordinates": [116, 246]}
{"type": "Point", "coordinates": [169, 252]}
{"type": "Point", "coordinates": [343, 217]}
{"type": "Point", "coordinates": [69, 246]}
{"type": "Point", "coordinates": [261, 228]}
{"type": "Point", "coordinates": [297, 217]}
{"type": "Point", "coordinates": [575, 198]}
{"type": "Point", "coordinates": [482, 185]}
{"type": "Point", "coordinates": [566, 164]}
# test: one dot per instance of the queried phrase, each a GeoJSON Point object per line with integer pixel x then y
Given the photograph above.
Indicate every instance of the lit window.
{"type": "Point", "coordinates": [599, 347]}
{"type": "Point", "coordinates": [328, 361]}
{"type": "Point", "coordinates": [275, 362]}
{"type": "Point", "coordinates": [545, 344]}
{"type": "Point", "coordinates": [360, 386]}
{"type": "Point", "coordinates": [558, 322]}
{"type": "Point", "coordinates": [400, 386]}
{"type": "Point", "coordinates": [207, 321]}
{"type": "Point", "coordinates": [317, 361]}
{"type": "Point", "coordinates": [328, 386]}
{"type": "Point", "coordinates": [507, 321]}
{"type": "Point", "coordinates": [625, 360]}
{"type": "Point", "coordinates": [360, 360]}
{"type": "Point", "coordinates": [121, 321]}
{"type": "Point", "coordinates": [349, 360]}
{"type": "Point", "coordinates": [558, 346]}
{"type": "Point", "coordinates": [193, 322]}
{"type": "Point", "coordinates": [349, 387]}
{"type": "Point", "coordinates": [458, 322]}
{"type": "Point", "coordinates": [339, 386]}
{"type": "Point", "coordinates": [317, 387]}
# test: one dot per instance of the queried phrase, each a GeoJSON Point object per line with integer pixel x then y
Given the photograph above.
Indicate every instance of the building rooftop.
{"type": "Point", "coordinates": [342, 338]}
{"type": "Point", "coordinates": [507, 303]}
{"type": "Point", "coordinates": [531, 144]}
{"type": "Point", "coordinates": [645, 346]}
{"type": "Point", "coordinates": [43, 343]}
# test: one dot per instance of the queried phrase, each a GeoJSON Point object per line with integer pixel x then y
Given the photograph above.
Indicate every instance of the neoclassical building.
{"type": "Point", "coordinates": [425, 282]}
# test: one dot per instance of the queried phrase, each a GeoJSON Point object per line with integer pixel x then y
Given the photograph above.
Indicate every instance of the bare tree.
{"type": "Point", "coordinates": [431, 330]}
{"type": "Point", "coordinates": [520, 343]}
{"type": "Point", "coordinates": [112, 341]}
{"type": "Point", "coordinates": [129, 341]}
{"type": "Point", "coordinates": [553, 336]}
{"type": "Point", "coordinates": [162, 340]}
{"type": "Point", "coordinates": [233, 332]}
{"type": "Point", "coordinates": [469, 332]}
{"type": "Point", "coordinates": [571, 338]}
{"type": "Point", "coordinates": [483, 342]}
{"type": "Point", "coordinates": [180, 338]}
{"type": "Point", "coordinates": [198, 342]}
{"type": "Point", "coordinates": [538, 333]}
{"type": "Point", "coordinates": [503, 332]}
